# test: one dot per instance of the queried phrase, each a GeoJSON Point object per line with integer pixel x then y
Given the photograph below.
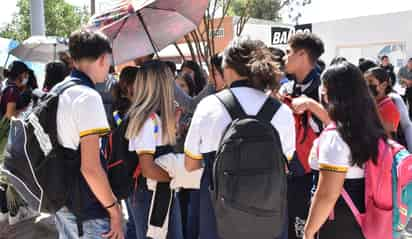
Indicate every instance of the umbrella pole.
{"type": "Point", "coordinates": [148, 34]}
{"type": "Point", "coordinates": [55, 52]}
{"type": "Point", "coordinates": [7, 60]}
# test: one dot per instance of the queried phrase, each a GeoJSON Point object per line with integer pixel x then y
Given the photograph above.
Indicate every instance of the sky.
{"type": "Point", "coordinates": [317, 11]}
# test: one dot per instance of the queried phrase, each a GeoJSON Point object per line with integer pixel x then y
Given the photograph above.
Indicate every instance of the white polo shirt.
{"type": "Point", "coordinates": [211, 119]}
{"type": "Point", "coordinates": [149, 137]}
{"type": "Point", "coordinates": [80, 113]}
{"type": "Point", "coordinates": [331, 153]}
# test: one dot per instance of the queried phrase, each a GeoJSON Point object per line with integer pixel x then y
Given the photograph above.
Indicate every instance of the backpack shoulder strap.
{"type": "Point", "coordinates": [61, 88]}
{"type": "Point", "coordinates": [269, 109]}
{"type": "Point", "coordinates": [232, 105]}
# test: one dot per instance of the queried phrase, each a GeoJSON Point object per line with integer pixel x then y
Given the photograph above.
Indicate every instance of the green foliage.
{"type": "Point", "coordinates": [261, 9]}
{"type": "Point", "coordinates": [61, 19]}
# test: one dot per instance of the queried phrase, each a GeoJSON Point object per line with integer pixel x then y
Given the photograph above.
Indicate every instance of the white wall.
{"type": "Point", "coordinates": [363, 31]}
{"type": "Point", "coordinates": [356, 37]}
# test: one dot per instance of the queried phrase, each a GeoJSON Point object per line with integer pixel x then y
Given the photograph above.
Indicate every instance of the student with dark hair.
{"type": "Point", "coordinates": [337, 60]}
{"type": "Point", "coordinates": [172, 66]}
{"type": "Point", "coordinates": [194, 70]}
{"type": "Point", "coordinates": [81, 120]}
{"type": "Point", "coordinates": [56, 72]}
{"type": "Point", "coordinates": [248, 71]}
{"type": "Point", "coordinates": [366, 64]}
{"type": "Point", "coordinates": [17, 77]}
{"type": "Point", "coordinates": [405, 77]}
{"type": "Point", "coordinates": [122, 92]}
{"type": "Point", "coordinates": [380, 86]}
{"type": "Point", "coordinates": [186, 83]}
{"type": "Point", "coordinates": [216, 72]}
{"type": "Point", "coordinates": [341, 151]}
{"type": "Point", "coordinates": [12, 207]}
{"type": "Point", "coordinates": [302, 94]}
{"type": "Point", "coordinates": [388, 67]}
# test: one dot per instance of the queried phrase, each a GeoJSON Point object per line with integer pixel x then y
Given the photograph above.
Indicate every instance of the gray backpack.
{"type": "Point", "coordinates": [249, 174]}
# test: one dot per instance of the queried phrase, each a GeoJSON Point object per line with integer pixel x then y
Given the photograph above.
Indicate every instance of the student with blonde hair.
{"type": "Point", "coordinates": [151, 132]}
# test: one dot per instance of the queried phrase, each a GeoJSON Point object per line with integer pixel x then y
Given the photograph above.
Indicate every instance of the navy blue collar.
{"type": "Point", "coordinates": [313, 74]}
{"type": "Point", "coordinates": [241, 83]}
{"type": "Point", "coordinates": [81, 78]}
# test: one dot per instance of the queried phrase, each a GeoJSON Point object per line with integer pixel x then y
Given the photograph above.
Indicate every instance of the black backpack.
{"type": "Point", "coordinates": [249, 174]}
{"type": "Point", "coordinates": [36, 165]}
{"type": "Point", "coordinates": [122, 164]}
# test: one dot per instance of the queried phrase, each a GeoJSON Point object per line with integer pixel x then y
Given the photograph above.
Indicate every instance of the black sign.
{"type": "Point", "coordinates": [281, 35]}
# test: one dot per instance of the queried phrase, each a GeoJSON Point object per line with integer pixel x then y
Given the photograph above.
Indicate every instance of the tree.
{"type": "Point", "coordinates": [261, 9]}
{"type": "Point", "coordinates": [61, 19]}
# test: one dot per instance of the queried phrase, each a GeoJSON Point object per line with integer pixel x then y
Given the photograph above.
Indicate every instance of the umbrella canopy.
{"type": "Point", "coordinates": [40, 48]}
{"type": "Point", "coordinates": [141, 27]}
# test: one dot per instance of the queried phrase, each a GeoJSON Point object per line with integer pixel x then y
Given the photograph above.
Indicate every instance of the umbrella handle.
{"type": "Point", "coordinates": [147, 33]}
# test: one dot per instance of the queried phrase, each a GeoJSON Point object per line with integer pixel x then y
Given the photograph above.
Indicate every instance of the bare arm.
{"type": "Point", "coordinates": [329, 189]}
{"type": "Point", "coordinates": [11, 110]}
{"type": "Point", "coordinates": [151, 170]}
{"type": "Point", "coordinates": [192, 164]}
{"type": "Point", "coordinates": [304, 103]}
{"type": "Point", "coordinates": [93, 171]}
{"type": "Point", "coordinates": [190, 103]}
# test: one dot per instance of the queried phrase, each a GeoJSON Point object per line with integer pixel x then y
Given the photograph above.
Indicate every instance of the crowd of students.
{"type": "Point", "coordinates": [329, 125]}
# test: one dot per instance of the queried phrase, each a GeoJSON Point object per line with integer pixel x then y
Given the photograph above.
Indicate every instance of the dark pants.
{"type": "Point", "coordinates": [299, 195]}
{"type": "Point", "coordinates": [140, 207]}
{"type": "Point", "coordinates": [3, 201]}
{"type": "Point", "coordinates": [189, 204]}
{"type": "Point", "coordinates": [408, 96]}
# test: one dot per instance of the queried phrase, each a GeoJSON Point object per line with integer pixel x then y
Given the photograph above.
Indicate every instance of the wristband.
{"type": "Point", "coordinates": [112, 205]}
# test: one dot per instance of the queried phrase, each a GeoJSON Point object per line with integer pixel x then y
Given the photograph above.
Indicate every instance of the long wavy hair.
{"type": "Point", "coordinates": [153, 92]}
{"type": "Point", "coordinates": [353, 109]}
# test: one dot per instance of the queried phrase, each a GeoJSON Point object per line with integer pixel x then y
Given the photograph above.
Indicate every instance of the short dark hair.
{"type": "Point", "coordinates": [85, 44]}
{"type": "Point", "coordinates": [337, 60]}
{"type": "Point", "coordinates": [251, 59]}
{"type": "Point", "coordinates": [308, 42]}
{"type": "Point", "coordinates": [384, 57]}
{"type": "Point", "coordinates": [366, 64]}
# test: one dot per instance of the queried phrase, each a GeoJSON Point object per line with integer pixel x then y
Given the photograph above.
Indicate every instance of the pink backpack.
{"type": "Point", "coordinates": [376, 221]}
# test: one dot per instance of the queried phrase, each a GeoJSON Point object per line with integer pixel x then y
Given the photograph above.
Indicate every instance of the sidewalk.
{"type": "Point", "coordinates": [42, 227]}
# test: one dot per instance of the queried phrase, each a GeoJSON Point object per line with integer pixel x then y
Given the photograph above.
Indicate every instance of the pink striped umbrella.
{"type": "Point", "coordinates": [142, 27]}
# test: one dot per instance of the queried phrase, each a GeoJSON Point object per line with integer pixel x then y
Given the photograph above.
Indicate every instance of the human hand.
{"type": "Point", "coordinates": [116, 226]}
{"type": "Point", "coordinates": [301, 104]}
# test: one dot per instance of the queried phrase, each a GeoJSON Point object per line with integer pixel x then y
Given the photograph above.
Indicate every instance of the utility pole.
{"type": "Point", "coordinates": [92, 7]}
{"type": "Point", "coordinates": [37, 26]}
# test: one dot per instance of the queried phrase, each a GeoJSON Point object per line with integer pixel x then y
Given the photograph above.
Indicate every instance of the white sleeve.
{"type": "Point", "coordinates": [90, 115]}
{"type": "Point", "coordinates": [405, 122]}
{"type": "Point", "coordinates": [285, 125]}
{"type": "Point", "coordinates": [334, 153]}
{"type": "Point", "coordinates": [193, 137]}
{"type": "Point", "coordinates": [145, 142]}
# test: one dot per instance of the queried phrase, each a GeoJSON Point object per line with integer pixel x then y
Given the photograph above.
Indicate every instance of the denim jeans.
{"type": "Point", "coordinates": [140, 206]}
{"type": "Point", "coordinates": [130, 225]}
{"type": "Point", "coordinates": [67, 226]}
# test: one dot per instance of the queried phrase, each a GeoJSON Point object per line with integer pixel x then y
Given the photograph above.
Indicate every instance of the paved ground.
{"type": "Point", "coordinates": [30, 229]}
